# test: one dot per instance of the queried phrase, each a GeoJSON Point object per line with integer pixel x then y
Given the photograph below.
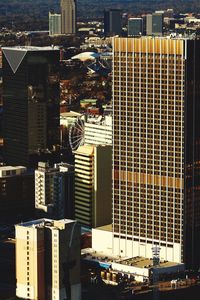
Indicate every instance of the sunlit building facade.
{"type": "Point", "coordinates": [93, 185]}
{"type": "Point", "coordinates": [156, 137]}
{"type": "Point", "coordinates": [68, 16]}
{"type": "Point", "coordinates": [48, 260]}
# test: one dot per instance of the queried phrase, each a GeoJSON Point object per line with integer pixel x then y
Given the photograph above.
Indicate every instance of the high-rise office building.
{"type": "Point", "coordinates": [112, 22]}
{"type": "Point", "coordinates": [54, 190]}
{"type": "Point", "coordinates": [68, 16]}
{"type": "Point", "coordinates": [157, 24]}
{"type": "Point", "coordinates": [16, 193]}
{"type": "Point", "coordinates": [148, 24]}
{"type": "Point", "coordinates": [54, 24]}
{"type": "Point", "coordinates": [154, 24]}
{"type": "Point", "coordinates": [135, 26]}
{"type": "Point", "coordinates": [48, 260]}
{"type": "Point", "coordinates": [93, 185]}
{"type": "Point", "coordinates": [156, 137]}
{"type": "Point", "coordinates": [31, 94]}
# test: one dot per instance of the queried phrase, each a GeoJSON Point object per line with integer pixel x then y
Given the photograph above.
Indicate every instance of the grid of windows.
{"type": "Point", "coordinates": [148, 157]}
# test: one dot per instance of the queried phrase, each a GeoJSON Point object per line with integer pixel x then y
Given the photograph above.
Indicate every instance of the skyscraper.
{"type": "Point", "coordinates": [54, 24]}
{"type": "Point", "coordinates": [31, 101]}
{"type": "Point", "coordinates": [154, 24]}
{"type": "Point", "coordinates": [156, 138]}
{"type": "Point", "coordinates": [135, 26]}
{"type": "Point", "coordinates": [68, 16]}
{"type": "Point", "coordinates": [157, 24]}
{"type": "Point", "coordinates": [93, 185]}
{"type": "Point", "coordinates": [48, 260]}
{"type": "Point", "coordinates": [112, 22]}
{"type": "Point", "coordinates": [148, 23]}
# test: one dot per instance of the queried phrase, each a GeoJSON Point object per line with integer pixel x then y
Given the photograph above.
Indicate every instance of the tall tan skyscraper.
{"type": "Point", "coordinates": [68, 16]}
{"type": "Point", "coordinates": [48, 260]}
{"type": "Point", "coordinates": [93, 185]}
{"type": "Point", "coordinates": [156, 138]}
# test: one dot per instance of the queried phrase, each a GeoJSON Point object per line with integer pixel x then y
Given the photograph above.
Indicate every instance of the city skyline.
{"type": "Point", "coordinates": [99, 150]}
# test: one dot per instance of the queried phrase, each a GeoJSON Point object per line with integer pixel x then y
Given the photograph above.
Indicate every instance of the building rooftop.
{"type": "Point", "coordinates": [15, 55]}
{"type": "Point", "coordinates": [142, 262]}
{"type": "Point", "coordinates": [105, 227]}
{"type": "Point", "coordinates": [70, 114]}
{"type": "Point", "coordinates": [10, 168]}
{"type": "Point", "coordinates": [6, 171]}
{"type": "Point", "coordinates": [31, 48]}
{"type": "Point", "coordinates": [167, 37]}
{"type": "Point", "coordinates": [91, 254]}
{"type": "Point", "coordinates": [46, 223]}
{"type": "Point", "coordinates": [85, 150]}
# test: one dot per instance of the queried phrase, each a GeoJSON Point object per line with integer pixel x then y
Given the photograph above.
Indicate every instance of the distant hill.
{"type": "Point", "coordinates": [91, 8]}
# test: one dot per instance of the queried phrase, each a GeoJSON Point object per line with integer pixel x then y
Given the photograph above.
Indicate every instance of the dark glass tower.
{"type": "Point", "coordinates": [112, 22]}
{"type": "Point", "coordinates": [31, 102]}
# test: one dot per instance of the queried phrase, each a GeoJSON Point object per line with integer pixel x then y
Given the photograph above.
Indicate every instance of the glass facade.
{"type": "Point", "coordinates": [112, 22]}
{"type": "Point", "coordinates": [31, 102]}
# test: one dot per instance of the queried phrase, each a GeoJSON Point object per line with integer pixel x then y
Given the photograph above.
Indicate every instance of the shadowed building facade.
{"type": "Point", "coordinates": [135, 26]}
{"type": "Point", "coordinates": [16, 193]}
{"type": "Point", "coordinates": [30, 101]}
{"type": "Point", "coordinates": [112, 22]}
{"type": "Point", "coordinates": [54, 190]}
{"type": "Point", "coordinates": [156, 157]}
{"type": "Point", "coordinates": [154, 24]}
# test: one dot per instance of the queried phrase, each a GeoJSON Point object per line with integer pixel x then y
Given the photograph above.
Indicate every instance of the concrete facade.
{"type": "Point", "coordinates": [68, 16]}
{"type": "Point", "coordinates": [93, 184]}
{"type": "Point", "coordinates": [48, 260]}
